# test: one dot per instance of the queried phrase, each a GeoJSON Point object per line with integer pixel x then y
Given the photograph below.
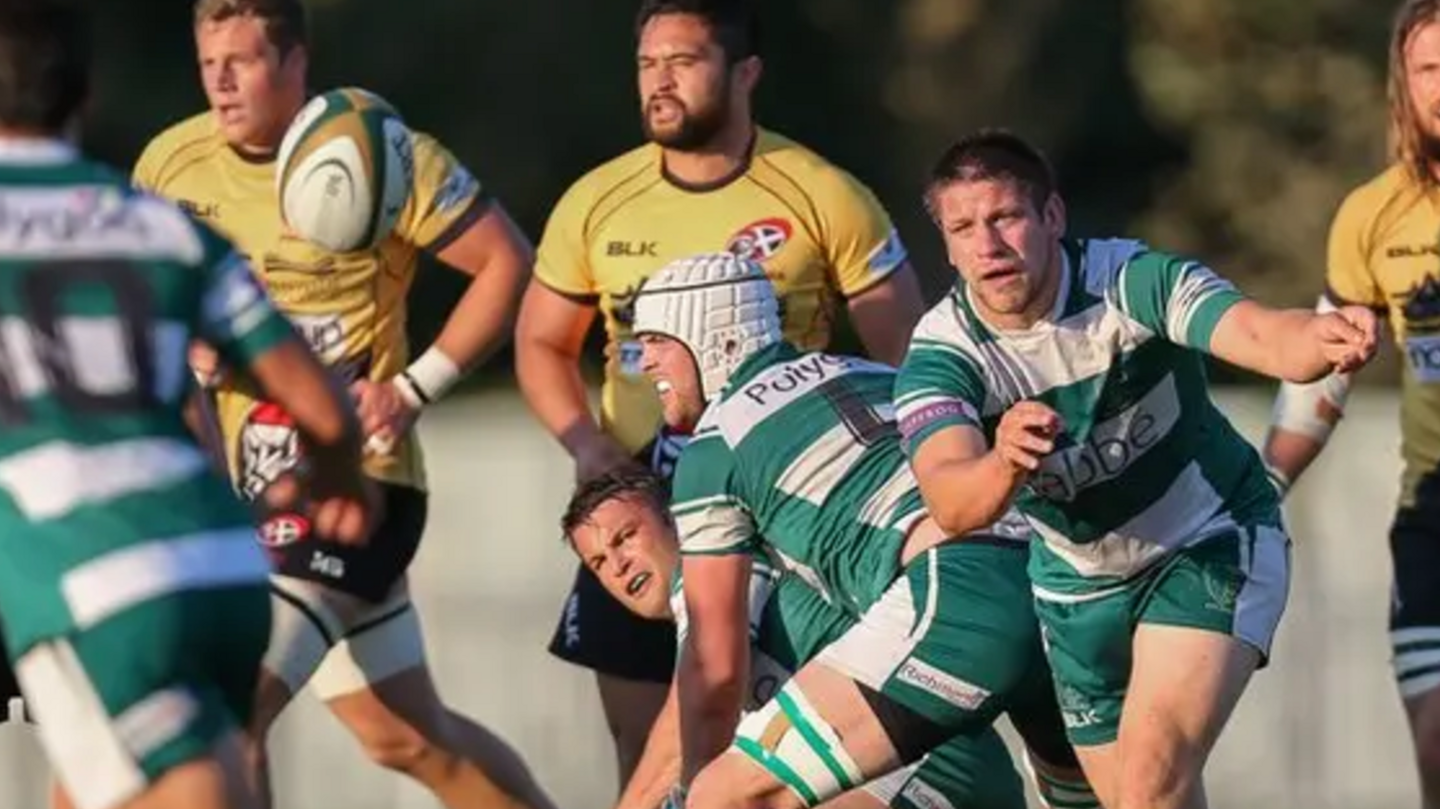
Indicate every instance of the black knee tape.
{"type": "Point", "coordinates": [911, 734]}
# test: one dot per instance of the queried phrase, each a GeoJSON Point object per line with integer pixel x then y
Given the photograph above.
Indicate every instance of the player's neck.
{"type": "Point", "coordinates": [715, 164]}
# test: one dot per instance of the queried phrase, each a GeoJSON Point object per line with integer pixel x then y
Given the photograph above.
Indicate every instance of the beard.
{"type": "Point", "coordinates": [1428, 145]}
{"type": "Point", "coordinates": [696, 129]}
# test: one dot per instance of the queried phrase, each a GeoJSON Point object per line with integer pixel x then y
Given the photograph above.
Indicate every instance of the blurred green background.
{"type": "Point", "coordinates": [1228, 129]}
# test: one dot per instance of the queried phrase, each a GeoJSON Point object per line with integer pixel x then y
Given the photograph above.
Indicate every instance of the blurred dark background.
{"type": "Point", "coordinates": [1228, 129]}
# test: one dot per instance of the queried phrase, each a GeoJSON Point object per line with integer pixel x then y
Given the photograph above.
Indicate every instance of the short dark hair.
{"type": "Point", "coordinates": [284, 20]}
{"type": "Point", "coordinates": [733, 23]}
{"type": "Point", "coordinates": [597, 491]}
{"type": "Point", "coordinates": [993, 154]}
{"type": "Point", "coordinates": [45, 53]}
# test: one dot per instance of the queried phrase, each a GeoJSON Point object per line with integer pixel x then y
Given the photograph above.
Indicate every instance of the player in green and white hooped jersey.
{"type": "Point", "coordinates": [803, 450]}
{"type": "Point", "coordinates": [134, 597]}
{"type": "Point", "coordinates": [1068, 376]}
{"type": "Point", "coordinates": [619, 527]}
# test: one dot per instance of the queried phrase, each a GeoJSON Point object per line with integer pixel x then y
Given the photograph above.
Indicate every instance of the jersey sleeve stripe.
{"type": "Point", "coordinates": [582, 298]}
{"type": "Point", "coordinates": [700, 503]}
{"type": "Point", "coordinates": [714, 529]}
{"type": "Point", "coordinates": [1197, 300]}
{"type": "Point", "coordinates": [474, 212]}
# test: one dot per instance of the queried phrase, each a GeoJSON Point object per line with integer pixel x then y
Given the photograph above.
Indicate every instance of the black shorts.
{"type": "Point", "coordinates": [1415, 593]}
{"type": "Point", "coordinates": [597, 632]}
{"type": "Point", "coordinates": [368, 572]}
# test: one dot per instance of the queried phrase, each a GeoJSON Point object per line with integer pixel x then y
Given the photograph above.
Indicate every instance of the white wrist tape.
{"type": "Point", "coordinates": [1297, 407]}
{"type": "Point", "coordinates": [427, 378]}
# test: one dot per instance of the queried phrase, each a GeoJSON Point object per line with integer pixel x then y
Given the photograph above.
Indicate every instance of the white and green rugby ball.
{"type": "Point", "coordinates": [345, 169]}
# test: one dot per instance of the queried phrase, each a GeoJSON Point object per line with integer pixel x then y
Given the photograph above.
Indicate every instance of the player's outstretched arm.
{"type": "Point", "coordinates": [715, 657]}
{"type": "Point", "coordinates": [549, 338]}
{"type": "Point", "coordinates": [1295, 345]}
{"type": "Point", "coordinates": [658, 770]}
{"type": "Point", "coordinates": [967, 486]}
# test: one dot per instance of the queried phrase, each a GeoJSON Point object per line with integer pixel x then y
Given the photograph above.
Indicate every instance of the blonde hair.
{"type": "Point", "coordinates": [284, 19]}
{"type": "Point", "coordinates": [1406, 137]}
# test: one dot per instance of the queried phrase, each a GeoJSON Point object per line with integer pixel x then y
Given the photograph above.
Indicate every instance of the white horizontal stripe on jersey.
{"type": "Point", "coordinates": [123, 578]}
{"type": "Point", "coordinates": [51, 480]}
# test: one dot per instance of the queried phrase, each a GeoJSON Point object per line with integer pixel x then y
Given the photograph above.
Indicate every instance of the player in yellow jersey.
{"type": "Point", "coordinates": [344, 622]}
{"type": "Point", "coordinates": [1384, 253]}
{"type": "Point", "coordinates": [708, 179]}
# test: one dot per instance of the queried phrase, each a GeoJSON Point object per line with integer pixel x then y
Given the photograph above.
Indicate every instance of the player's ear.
{"type": "Point", "coordinates": [1055, 216]}
{"type": "Point", "coordinates": [747, 73]}
{"type": "Point", "coordinates": [296, 64]}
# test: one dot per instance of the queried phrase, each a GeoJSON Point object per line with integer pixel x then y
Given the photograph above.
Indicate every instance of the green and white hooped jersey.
{"type": "Point", "coordinates": [802, 450]}
{"type": "Point", "coordinates": [105, 499]}
{"type": "Point", "coordinates": [1146, 462]}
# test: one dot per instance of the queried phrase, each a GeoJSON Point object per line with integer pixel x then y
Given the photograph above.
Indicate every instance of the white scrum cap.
{"type": "Point", "coordinates": [720, 306]}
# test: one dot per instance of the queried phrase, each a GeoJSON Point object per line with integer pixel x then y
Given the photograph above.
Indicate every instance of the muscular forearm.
{"type": "Point", "coordinates": [709, 712]}
{"type": "Point", "coordinates": [553, 388]}
{"type": "Point", "coordinates": [484, 318]}
{"type": "Point", "coordinates": [967, 495]}
{"type": "Point", "coordinates": [1296, 358]}
{"type": "Point", "coordinates": [659, 766]}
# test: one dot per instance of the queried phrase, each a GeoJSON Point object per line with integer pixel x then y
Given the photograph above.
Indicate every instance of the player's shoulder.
{"type": "Point", "coordinates": [1369, 201]}
{"type": "Point", "coordinates": [792, 167]}
{"type": "Point", "coordinates": [176, 148]}
{"type": "Point", "coordinates": [781, 153]}
{"type": "Point", "coordinates": [606, 183]}
{"type": "Point", "coordinates": [1101, 261]}
{"type": "Point", "coordinates": [946, 322]}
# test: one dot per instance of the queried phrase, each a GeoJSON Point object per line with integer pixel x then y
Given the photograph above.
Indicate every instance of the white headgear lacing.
{"type": "Point", "coordinates": [720, 306]}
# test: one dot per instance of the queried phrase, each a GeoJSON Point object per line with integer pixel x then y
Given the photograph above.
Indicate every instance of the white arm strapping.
{"type": "Point", "coordinates": [1297, 407]}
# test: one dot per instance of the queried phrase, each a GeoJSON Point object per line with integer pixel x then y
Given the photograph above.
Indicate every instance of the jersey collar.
{"type": "Point", "coordinates": [719, 183]}
{"type": "Point", "coordinates": [36, 151]}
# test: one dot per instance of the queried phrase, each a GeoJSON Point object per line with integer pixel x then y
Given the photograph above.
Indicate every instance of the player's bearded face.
{"type": "Point", "coordinates": [685, 83]}
{"type": "Point", "coordinates": [672, 369]}
{"type": "Point", "coordinates": [1005, 248]}
{"type": "Point", "coordinates": [631, 548]}
{"type": "Point", "coordinates": [1422, 80]}
{"type": "Point", "coordinates": [253, 91]}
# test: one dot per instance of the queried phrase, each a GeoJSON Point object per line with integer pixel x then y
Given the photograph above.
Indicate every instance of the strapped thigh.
{"type": "Point", "coordinates": [791, 741]}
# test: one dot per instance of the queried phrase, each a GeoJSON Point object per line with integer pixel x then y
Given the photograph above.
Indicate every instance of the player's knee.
{"type": "Point", "coordinates": [393, 744]}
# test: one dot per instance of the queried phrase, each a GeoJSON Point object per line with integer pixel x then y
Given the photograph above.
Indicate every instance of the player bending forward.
{"type": "Point", "coordinates": [133, 594]}
{"type": "Point", "coordinates": [619, 526]}
{"type": "Point", "coordinates": [802, 451]}
{"type": "Point", "coordinates": [1067, 376]}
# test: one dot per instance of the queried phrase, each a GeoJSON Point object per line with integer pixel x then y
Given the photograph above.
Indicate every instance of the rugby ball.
{"type": "Point", "coordinates": [344, 171]}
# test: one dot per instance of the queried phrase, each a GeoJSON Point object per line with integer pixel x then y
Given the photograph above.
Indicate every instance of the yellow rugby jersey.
{"type": "Point", "coordinates": [1385, 253]}
{"type": "Point", "coordinates": [350, 306]}
{"type": "Point", "coordinates": [820, 234]}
